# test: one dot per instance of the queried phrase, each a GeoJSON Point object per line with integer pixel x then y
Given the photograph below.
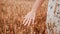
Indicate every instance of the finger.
{"type": "Point", "coordinates": [26, 17]}
{"type": "Point", "coordinates": [33, 20]}
{"type": "Point", "coordinates": [26, 22]}
{"type": "Point", "coordinates": [29, 22]}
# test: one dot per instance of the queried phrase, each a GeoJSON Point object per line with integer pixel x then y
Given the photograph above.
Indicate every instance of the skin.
{"type": "Point", "coordinates": [30, 17]}
{"type": "Point", "coordinates": [37, 4]}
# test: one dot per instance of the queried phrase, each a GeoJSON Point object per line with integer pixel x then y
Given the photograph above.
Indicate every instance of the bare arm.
{"type": "Point", "coordinates": [37, 4]}
{"type": "Point", "coordinates": [30, 17]}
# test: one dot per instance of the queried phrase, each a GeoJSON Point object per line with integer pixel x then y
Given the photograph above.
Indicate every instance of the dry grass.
{"type": "Point", "coordinates": [11, 14]}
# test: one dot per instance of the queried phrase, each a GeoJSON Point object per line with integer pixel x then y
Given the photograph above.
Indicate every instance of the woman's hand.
{"type": "Point", "coordinates": [29, 18]}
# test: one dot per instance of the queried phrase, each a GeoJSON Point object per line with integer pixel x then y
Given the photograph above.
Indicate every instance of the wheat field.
{"type": "Point", "coordinates": [12, 13]}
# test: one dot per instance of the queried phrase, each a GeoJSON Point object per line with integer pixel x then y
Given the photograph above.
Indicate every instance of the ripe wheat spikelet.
{"type": "Point", "coordinates": [11, 13]}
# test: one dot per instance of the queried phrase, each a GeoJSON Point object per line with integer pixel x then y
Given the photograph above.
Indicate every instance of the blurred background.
{"type": "Point", "coordinates": [12, 13]}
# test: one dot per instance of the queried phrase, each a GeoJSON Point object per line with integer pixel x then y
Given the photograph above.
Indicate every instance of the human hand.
{"type": "Point", "coordinates": [29, 18]}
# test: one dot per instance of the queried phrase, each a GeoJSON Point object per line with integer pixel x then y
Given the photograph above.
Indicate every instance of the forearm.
{"type": "Point", "coordinates": [37, 4]}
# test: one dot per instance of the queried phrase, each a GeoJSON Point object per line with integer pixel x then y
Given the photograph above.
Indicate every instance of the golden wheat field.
{"type": "Point", "coordinates": [12, 13]}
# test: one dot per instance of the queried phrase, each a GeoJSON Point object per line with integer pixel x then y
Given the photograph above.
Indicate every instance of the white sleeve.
{"type": "Point", "coordinates": [50, 15]}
